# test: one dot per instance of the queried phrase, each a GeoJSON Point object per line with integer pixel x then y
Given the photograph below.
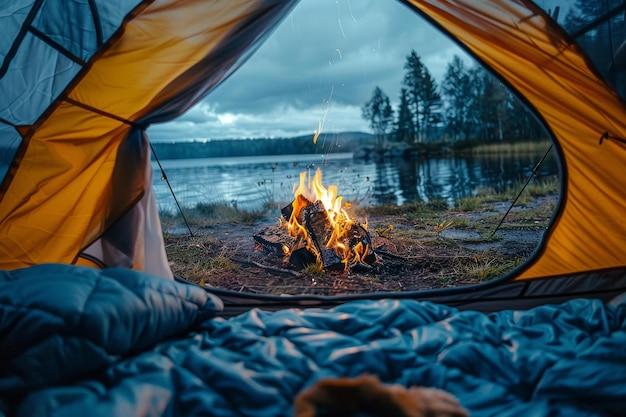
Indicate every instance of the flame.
{"type": "Point", "coordinates": [308, 192]}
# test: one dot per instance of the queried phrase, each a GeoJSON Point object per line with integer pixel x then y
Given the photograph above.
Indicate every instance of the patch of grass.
{"type": "Point", "coordinates": [271, 204]}
{"type": "Point", "coordinates": [467, 204]}
{"type": "Point", "coordinates": [440, 242]}
{"type": "Point", "coordinates": [463, 223]}
{"type": "Point", "coordinates": [193, 259]}
{"type": "Point", "coordinates": [417, 206]}
{"type": "Point", "coordinates": [544, 187]}
{"type": "Point", "coordinates": [371, 279]}
{"type": "Point", "coordinates": [485, 266]}
{"type": "Point", "coordinates": [408, 209]}
{"type": "Point", "coordinates": [222, 263]}
{"type": "Point", "coordinates": [486, 237]}
{"type": "Point", "coordinates": [410, 236]}
{"type": "Point", "coordinates": [533, 147]}
{"type": "Point", "coordinates": [211, 215]}
{"type": "Point", "coordinates": [169, 220]}
{"type": "Point", "coordinates": [536, 217]}
{"type": "Point", "coordinates": [475, 203]}
{"type": "Point", "coordinates": [437, 204]}
{"type": "Point", "coordinates": [221, 213]}
{"type": "Point", "coordinates": [510, 193]}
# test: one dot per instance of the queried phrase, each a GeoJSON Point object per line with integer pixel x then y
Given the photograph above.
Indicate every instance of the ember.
{"type": "Point", "coordinates": [320, 231]}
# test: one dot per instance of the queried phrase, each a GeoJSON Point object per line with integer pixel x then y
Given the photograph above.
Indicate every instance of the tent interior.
{"type": "Point", "coordinates": [105, 107]}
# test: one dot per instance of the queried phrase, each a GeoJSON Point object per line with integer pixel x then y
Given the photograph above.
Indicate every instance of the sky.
{"type": "Point", "coordinates": [315, 72]}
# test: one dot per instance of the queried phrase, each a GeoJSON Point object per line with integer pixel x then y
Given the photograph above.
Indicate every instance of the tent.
{"type": "Point", "coordinates": [76, 173]}
{"type": "Point", "coordinates": [88, 325]}
{"type": "Point", "coordinates": [103, 73]}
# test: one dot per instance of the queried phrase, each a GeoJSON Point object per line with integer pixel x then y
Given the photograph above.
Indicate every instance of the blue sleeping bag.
{"type": "Point", "coordinates": [82, 342]}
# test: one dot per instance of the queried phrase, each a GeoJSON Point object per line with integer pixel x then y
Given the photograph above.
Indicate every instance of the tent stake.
{"type": "Point", "coordinates": [164, 177]}
{"type": "Point", "coordinates": [534, 172]}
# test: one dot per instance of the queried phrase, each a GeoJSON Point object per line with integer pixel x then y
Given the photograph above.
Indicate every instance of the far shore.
{"type": "Point", "coordinates": [361, 145]}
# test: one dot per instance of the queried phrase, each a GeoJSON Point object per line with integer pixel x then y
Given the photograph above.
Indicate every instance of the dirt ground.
{"type": "Point", "coordinates": [412, 255]}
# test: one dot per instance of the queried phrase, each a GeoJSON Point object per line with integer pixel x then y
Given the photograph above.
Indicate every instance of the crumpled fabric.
{"type": "Point", "coordinates": [554, 360]}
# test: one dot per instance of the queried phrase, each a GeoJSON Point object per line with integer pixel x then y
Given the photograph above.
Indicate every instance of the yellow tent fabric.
{"type": "Point", "coordinates": [536, 57]}
{"type": "Point", "coordinates": [82, 170]}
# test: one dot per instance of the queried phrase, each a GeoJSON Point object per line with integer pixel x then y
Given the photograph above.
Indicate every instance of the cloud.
{"type": "Point", "coordinates": [320, 65]}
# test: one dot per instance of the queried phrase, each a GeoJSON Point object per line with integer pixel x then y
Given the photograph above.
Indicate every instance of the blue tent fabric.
{"type": "Point", "coordinates": [77, 341]}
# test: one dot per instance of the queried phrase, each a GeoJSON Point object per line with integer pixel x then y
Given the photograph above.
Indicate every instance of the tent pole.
{"type": "Point", "coordinates": [164, 177]}
{"type": "Point", "coordinates": [534, 172]}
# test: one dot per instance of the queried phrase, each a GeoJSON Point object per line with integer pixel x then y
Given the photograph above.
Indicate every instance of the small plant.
{"type": "Point", "coordinates": [384, 231]}
{"type": "Point", "coordinates": [440, 227]}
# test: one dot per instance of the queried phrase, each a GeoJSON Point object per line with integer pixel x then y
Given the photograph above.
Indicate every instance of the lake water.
{"type": "Point", "coordinates": [252, 182]}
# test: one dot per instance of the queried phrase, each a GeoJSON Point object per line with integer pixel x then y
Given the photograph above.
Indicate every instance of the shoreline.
{"type": "Point", "coordinates": [420, 249]}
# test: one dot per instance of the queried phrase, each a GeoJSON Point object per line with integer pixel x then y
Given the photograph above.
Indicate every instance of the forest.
{"type": "Point", "coordinates": [472, 106]}
{"type": "Point", "coordinates": [469, 105]}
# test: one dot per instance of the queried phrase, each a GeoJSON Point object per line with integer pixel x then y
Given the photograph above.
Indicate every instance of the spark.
{"type": "Point", "coordinates": [320, 123]}
{"type": "Point", "coordinates": [341, 28]}
{"type": "Point", "coordinates": [350, 8]}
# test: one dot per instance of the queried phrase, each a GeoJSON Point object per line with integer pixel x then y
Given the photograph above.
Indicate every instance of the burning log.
{"type": "Point", "coordinates": [315, 220]}
{"type": "Point", "coordinates": [320, 235]}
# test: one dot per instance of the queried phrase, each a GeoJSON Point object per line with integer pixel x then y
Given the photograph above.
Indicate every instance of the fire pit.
{"type": "Point", "coordinates": [315, 228]}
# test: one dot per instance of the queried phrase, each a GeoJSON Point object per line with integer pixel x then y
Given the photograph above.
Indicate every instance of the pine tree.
{"type": "Point", "coordinates": [479, 107]}
{"type": "Point", "coordinates": [413, 83]}
{"type": "Point", "coordinates": [379, 113]}
{"type": "Point", "coordinates": [431, 98]}
{"type": "Point", "coordinates": [523, 124]}
{"type": "Point", "coordinates": [423, 97]}
{"type": "Point", "coordinates": [405, 130]}
{"type": "Point", "coordinates": [457, 92]}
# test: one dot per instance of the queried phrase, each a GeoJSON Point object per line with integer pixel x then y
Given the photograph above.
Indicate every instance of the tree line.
{"type": "Point", "coordinates": [472, 105]}
{"type": "Point", "coordinates": [349, 141]}
{"type": "Point", "coordinates": [469, 105]}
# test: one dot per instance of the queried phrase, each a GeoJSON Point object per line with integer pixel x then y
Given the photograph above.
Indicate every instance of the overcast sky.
{"type": "Point", "coordinates": [317, 69]}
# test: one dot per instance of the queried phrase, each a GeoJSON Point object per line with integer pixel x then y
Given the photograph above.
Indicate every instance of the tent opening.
{"type": "Point", "coordinates": [450, 172]}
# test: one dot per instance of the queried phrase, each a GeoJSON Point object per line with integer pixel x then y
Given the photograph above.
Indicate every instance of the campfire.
{"type": "Point", "coordinates": [315, 228]}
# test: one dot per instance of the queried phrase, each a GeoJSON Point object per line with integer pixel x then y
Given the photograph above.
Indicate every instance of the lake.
{"type": "Point", "coordinates": [252, 182]}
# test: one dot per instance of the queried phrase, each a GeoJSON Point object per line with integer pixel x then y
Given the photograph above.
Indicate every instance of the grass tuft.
{"type": "Point", "coordinates": [485, 266]}
{"type": "Point", "coordinates": [190, 257]}
{"type": "Point", "coordinates": [210, 215]}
